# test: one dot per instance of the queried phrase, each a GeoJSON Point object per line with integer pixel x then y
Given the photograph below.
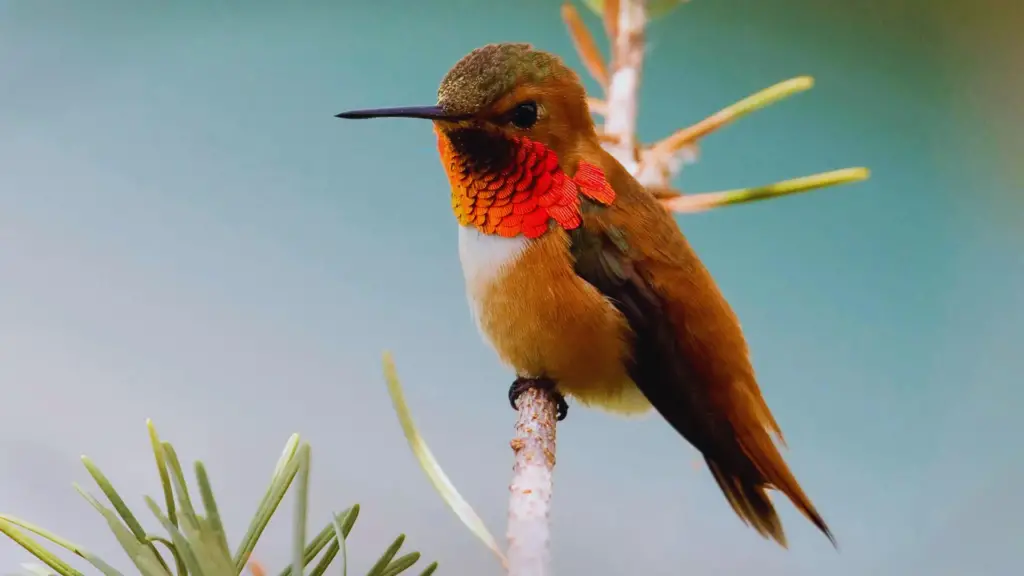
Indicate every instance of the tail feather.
{"type": "Point", "coordinates": [748, 494]}
{"type": "Point", "coordinates": [751, 504]}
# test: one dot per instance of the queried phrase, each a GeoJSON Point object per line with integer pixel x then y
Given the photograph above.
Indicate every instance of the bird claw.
{"type": "Point", "coordinates": [523, 384]}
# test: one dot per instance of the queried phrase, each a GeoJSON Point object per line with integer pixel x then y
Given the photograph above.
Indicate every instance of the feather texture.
{"type": "Point", "coordinates": [512, 186]}
{"type": "Point", "coordinates": [689, 356]}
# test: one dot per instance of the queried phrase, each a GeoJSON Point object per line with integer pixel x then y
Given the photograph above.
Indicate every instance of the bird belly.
{"type": "Point", "coordinates": [545, 321]}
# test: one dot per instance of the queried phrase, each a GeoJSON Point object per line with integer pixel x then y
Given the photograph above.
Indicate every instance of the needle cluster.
{"type": "Point", "coordinates": [195, 542]}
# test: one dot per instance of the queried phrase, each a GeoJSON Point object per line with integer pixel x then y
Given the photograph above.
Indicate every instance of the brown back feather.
{"type": "Point", "coordinates": [690, 356]}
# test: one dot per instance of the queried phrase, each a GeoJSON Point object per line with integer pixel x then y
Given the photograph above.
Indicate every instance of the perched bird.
{"type": "Point", "coordinates": [584, 284]}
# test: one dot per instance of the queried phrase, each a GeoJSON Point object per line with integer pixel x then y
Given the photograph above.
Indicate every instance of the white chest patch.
{"type": "Point", "coordinates": [484, 257]}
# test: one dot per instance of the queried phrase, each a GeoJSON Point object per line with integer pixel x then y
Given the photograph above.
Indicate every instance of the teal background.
{"type": "Point", "coordinates": [187, 234]}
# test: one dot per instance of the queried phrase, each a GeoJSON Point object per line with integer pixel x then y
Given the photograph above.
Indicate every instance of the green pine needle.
{"type": "Point", "coordinates": [430, 466]}
{"type": "Point", "coordinates": [197, 540]}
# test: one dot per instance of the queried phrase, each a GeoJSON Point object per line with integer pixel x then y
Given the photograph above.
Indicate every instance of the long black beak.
{"type": "Point", "coordinates": [426, 112]}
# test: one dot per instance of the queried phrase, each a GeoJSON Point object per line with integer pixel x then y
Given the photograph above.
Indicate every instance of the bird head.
{"type": "Point", "coordinates": [506, 116]}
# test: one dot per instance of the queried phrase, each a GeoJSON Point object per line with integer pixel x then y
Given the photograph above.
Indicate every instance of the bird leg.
{"type": "Point", "coordinates": [523, 384]}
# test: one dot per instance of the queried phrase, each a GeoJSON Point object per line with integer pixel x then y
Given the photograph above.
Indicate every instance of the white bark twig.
{"type": "Point", "coordinates": [529, 506]}
{"type": "Point", "coordinates": [624, 86]}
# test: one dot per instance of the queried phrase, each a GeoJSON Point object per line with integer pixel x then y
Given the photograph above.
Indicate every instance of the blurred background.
{"type": "Point", "coordinates": [186, 234]}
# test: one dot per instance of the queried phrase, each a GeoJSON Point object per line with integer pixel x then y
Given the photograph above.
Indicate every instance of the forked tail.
{"type": "Point", "coordinates": [748, 495]}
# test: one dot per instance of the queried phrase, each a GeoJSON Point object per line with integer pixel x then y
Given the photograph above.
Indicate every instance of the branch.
{"type": "Point", "coordinates": [730, 113]}
{"type": "Point", "coordinates": [628, 55]}
{"type": "Point", "coordinates": [709, 200]}
{"type": "Point", "coordinates": [664, 151]}
{"type": "Point", "coordinates": [529, 506]}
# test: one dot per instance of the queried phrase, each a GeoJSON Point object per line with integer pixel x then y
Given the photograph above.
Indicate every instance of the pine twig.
{"type": "Point", "coordinates": [529, 506]}
{"type": "Point", "coordinates": [709, 200]}
{"type": "Point", "coordinates": [730, 113]}
{"type": "Point", "coordinates": [663, 151]}
{"type": "Point", "coordinates": [628, 50]}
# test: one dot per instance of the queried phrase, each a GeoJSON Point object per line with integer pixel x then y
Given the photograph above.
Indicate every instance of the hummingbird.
{"type": "Point", "coordinates": [584, 284]}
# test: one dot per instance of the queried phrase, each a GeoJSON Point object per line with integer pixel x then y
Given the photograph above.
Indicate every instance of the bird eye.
{"type": "Point", "coordinates": [524, 115]}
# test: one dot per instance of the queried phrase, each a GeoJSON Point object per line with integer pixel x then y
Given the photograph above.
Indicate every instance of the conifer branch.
{"type": "Point", "coordinates": [529, 507]}
{"type": "Point", "coordinates": [709, 200]}
{"type": "Point", "coordinates": [656, 165]}
{"type": "Point", "coordinates": [197, 538]}
{"type": "Point", "coordinates": [730, 113]}
{"type": "Point", "coordinates": [628, 50]}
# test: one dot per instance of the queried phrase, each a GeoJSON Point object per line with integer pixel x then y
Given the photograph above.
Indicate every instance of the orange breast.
{"type": "Point", "coordinates": [545, 321]}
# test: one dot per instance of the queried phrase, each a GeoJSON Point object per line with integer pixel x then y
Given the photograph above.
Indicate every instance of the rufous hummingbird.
{"type": "Point", "coordinates": [584, 284]}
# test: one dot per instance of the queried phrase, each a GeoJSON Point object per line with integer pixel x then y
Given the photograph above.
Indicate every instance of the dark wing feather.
{"type": "Point", "coordinates": [730, 434]}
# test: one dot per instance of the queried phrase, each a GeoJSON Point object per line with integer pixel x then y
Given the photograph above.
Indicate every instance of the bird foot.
{"type": "Point", "coordinates": [523, 384]}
